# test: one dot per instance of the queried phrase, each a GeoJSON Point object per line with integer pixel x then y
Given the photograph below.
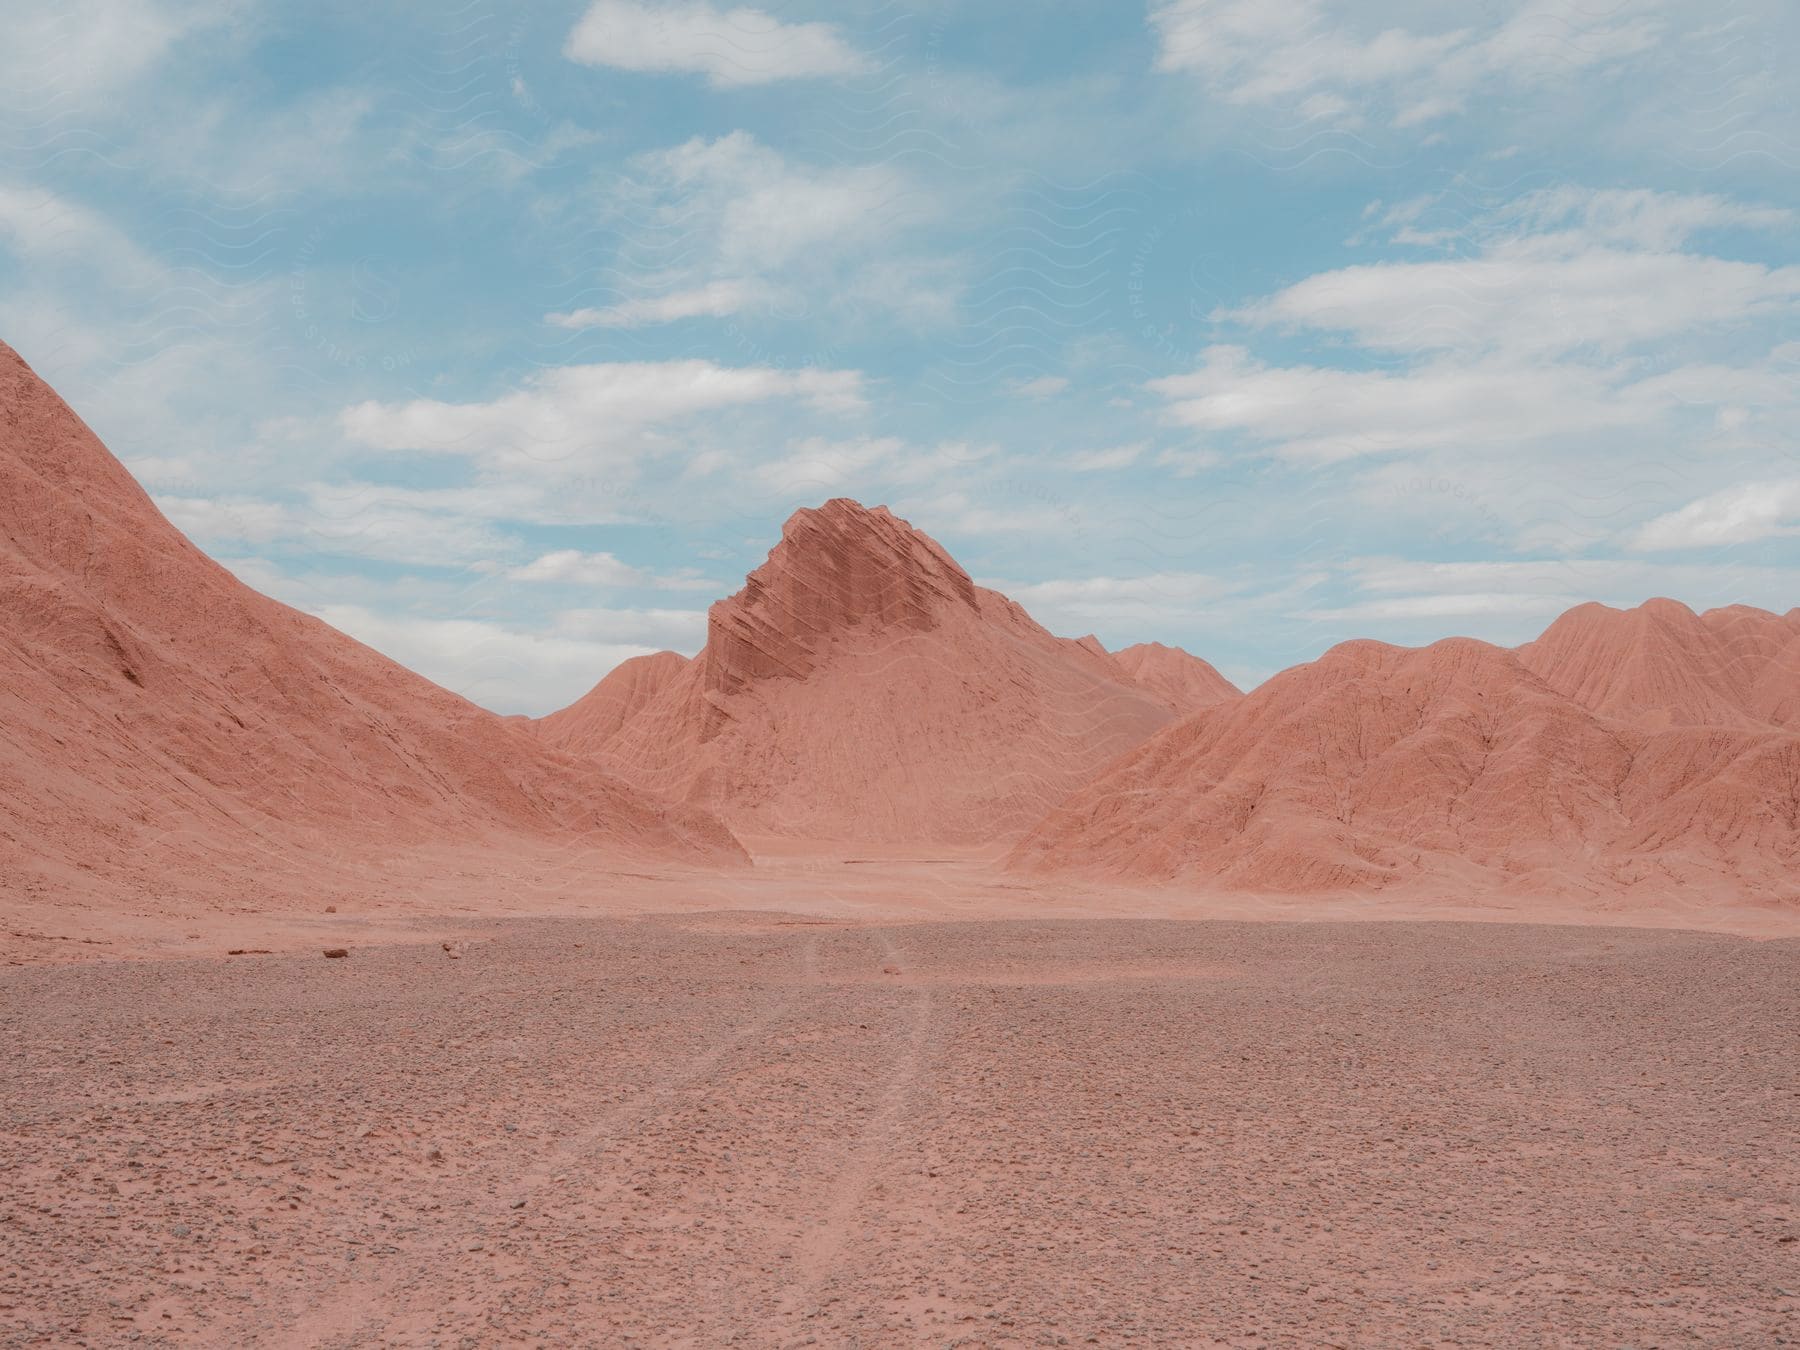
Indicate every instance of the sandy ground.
{"type": "Point", "coordinates": [438, 894]}
{"type": "Point", "coordinates": [773, 1129]}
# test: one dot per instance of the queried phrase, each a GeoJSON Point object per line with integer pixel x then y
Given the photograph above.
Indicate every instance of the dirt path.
{"type": "Point", "coordinates": [849, 1207]}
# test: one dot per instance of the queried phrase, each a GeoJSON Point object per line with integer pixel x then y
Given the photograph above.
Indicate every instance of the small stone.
{"type": "Point", "coordinates": [336, 953]}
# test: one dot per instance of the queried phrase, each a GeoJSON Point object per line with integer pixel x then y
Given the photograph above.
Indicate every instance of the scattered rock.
{"type": "Point", "coordinates": [336, 953]}
{"type": "Point", "coordinates": [890, 970]}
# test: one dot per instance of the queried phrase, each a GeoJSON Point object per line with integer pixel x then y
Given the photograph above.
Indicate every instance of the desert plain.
{"type": "Point", "coordinates": [824, 1126]}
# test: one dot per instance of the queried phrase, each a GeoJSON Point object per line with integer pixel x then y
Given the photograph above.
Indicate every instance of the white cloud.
{"type": "Point", "coordinates": [1461, 605]}
{"type": "Point", "coordinates": [922, 292]}
{"type": "Point", "coordinates": [477, 630]}
{"type": "Point", "coordinates": [1187, 463]}
{"type": "Point", "coordinates": [818, 467]}
{"type": "Point", "coordinates": [1543, 576]}
{"type": "Point", "coordinates": [144, 344]}
{"type": "Point", "coordinates": [1184, 586]}
{"type": "Point", "coordinates": [764, 210]}
{"type": "Point", "coordinates": [1557, 269]}
{"type": "Point", "coordinates": [444, 528]}
{"type": "Point", "coordinates": [729, 225]}
{"type": "Point", "coordinates": [1322, 414]}
{"type": "Point", "coordinates": [985, 513]}
{"type": "Point", "coordinates": [1736, 515]}
{"type": "Point", "coordinates": [1301, 55]}
{"type": "Point", "coordinates": [590, 416]}
{"type": "Point", "coordinates": [1515, 300]}
{"type": "Point", "coordinates": [732, 48]}
{"type": "Point", "coordinates": [243, 520]}
{"type": "Point", "coordinates": [1114, 457]}
{"type": "Point", "coordinates": [1044, 386]}
{"type": "Point", "coordinates": [48, 229]}
{"type": "Point", "coordinates": [343, 520]}
{"type": "Point", "coordinates": [475, 635]}
{"type": "Point", "coordinates": [1568, 218]}
{"type": "Point", "coordinates": [325, 140]}
{"type": "Point", "coordinates": [1575, 324]}
{"type": "Point", "coordinates": [457, 527]}
{"type": "Point", "coordinates": [683, 630]}
{"type": "Point", "coordinates": [166, 471]}
{"type": "Point", "coordinates": [715, 299]}
{"type": "Point", "coordinates": [1500, 596]}
{"type": "Point", "coordinates": [1151, 604]}
{"type": "Point", "coordinates": [85, 50]}
{"type": "Point", "coordinates": [490, 663]}
{"type": "Point", "coordinates": [1638, 217]}
{"type": "Point", "coordinates": [572, 567]}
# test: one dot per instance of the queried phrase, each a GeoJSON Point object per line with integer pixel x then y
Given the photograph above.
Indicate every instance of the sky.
{"type": "Point", "coordinates": [505, 337]}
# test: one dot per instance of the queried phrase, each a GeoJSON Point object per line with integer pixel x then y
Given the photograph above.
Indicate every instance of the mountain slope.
{"type": "Point", "coordinates": [1662, 665]}
{"type": "Point", "coordinates": [1454, 763]}
{"type": "Point", "coordinates": [862, 687]}
{"type": "Point", "coordinates": [589, 725]}
{"type": "Point", "coordinates": [164, 726]}
{"type": "Point", "coordinates": [1185, 682]}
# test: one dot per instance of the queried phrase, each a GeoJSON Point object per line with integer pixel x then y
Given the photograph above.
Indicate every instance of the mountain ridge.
{"type": "Point", "coordinates": [861, 684]}
{"type": "Point", "coordinates": [1451, 764]}
{"type": "Point", "coordinates": [165, 724]}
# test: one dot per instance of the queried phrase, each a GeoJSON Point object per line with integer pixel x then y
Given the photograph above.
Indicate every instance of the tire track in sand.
{"type": "Point", "coordinates": [354, 1312]}
{"type": "Point", "coordinates": [819, 1253]}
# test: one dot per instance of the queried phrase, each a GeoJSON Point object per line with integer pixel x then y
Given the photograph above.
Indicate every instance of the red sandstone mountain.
{"type": "Point", "coordinates": [165, 729]}
{"type": "Point", "coordinates": [862, 687]}
{"type": "Point", "coordinates": [1183, 681]}
{"type": "Point", "coordinates": [1663, 665]}
{"type": "Point", "coordinates": [1452, 763]}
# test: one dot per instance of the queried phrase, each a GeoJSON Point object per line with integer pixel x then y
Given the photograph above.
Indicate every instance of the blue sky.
{"type": "Point", "coordinates": [505, 338]}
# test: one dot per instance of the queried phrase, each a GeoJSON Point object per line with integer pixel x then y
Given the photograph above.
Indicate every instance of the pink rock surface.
{"type": "Point", "coordinates": [166, 731]}
{"type": "Point", "coordinates": [1662, 665]}
{"type": "Point", "coordinates": [1453, 764]}
{"type": "Point", "coordinates": [1182, 680]}
{"type": "Point", "coordinates": [862, 687]}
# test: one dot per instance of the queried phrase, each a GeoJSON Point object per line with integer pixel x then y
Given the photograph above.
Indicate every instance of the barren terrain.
{"type": "Point", "coordinates": [892, 972]}
{"type": "Point", "coordinates": [779, 1128]}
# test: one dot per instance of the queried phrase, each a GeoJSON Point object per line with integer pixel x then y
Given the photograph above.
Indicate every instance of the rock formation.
{"type": "Point", "coordinates": [862, 687]}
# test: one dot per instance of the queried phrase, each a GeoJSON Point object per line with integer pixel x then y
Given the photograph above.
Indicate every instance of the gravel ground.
{"type": "Point", "coordinates": [761, 1130]}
